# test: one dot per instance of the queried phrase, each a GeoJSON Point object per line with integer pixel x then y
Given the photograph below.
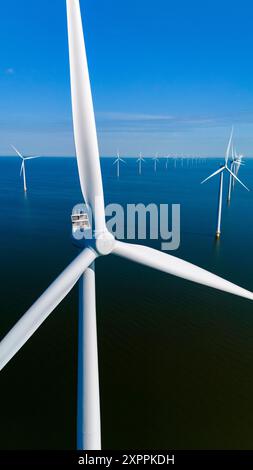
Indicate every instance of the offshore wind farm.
{"type": "Point", "coordinates": [151, 337]}
{"type": "Point", "coordinates": [185, 325]}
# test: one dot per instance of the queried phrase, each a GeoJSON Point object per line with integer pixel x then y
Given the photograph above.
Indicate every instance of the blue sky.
{"type": "Point", "coordinates": [167, 77]}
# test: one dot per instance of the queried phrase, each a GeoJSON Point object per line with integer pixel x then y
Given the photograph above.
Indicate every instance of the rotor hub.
{"type": "Point", "coordinates": [105, 243]}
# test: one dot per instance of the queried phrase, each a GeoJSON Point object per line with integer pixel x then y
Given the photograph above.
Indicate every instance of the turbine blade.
{"type": "Point", "coordinates": [229, 145]}
{"type": "Point", "coordinates": [31, 158]}
{"type": "Point", "coordinates": [213, 174]}
{"type": "Point", "coordinates": [121, 160]}
{"type": "Point", "coordinates": [238, 163]}
{"type": "Point", "coordinates": [17, 151]}
{"type": "Point", "coordinates": [237, 179]}
{"type": "Point", "coordinates": [177, 267]}
{"type": "Point", "coordinates": [22, 167]}
{"type": "Point", "coordinates": [232, 153]}
{"type": "Point", "coordinates": [41, 309]}
{"type": "Point", "coordinates": [85, 133]}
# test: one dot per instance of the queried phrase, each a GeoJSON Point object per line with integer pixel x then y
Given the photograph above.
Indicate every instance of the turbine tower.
{"type": "Point", "coordinates": [230, 176]}
{"type": "Point", "coordinates": [235, 164]}
{"type": "Point", "coordinates": [156, 160]}
{"type": "Point", "coordinates": [22, 168]}
{"type": "Point", "coordinates": [82, 268]}
{"type": "Point", "coordinates": [221, 171]}
{"type": "Point", "coordinates": [117, 163]}
{"type": "Point", "coordinates": [139, 161]}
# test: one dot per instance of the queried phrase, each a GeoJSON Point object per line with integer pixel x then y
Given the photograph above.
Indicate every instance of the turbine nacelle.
{"type": "Point", "coordinates": [84, 235]}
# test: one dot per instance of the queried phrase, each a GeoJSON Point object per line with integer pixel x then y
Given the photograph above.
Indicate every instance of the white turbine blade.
{"type": "Point", "coordinates": [22, 167]}
{"type": "Point", "coordinates": [42, 308]}
{"type": "Point", "coordinates": [31, 158]}
{"type": "Point", "coordinates": [83, 118]}
{"type": "Point", "coordinates": [237, 179]}
{"type": "Point", "coordinates": [229, 145]}
{"type": "Point", "coordinates": [121, 160]}
{"type": "Point", "coordinates": [238, 163]}
{"type": "Point", "coordinates": [17, 152]}
{"type": "Point", "coordinates": [213, 174]}
{"type": "Point", "coordinates": [177, 267]}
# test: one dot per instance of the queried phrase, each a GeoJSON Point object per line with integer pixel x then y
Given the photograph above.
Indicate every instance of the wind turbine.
{"type": "Point", "coordinates": [139, 161]}
{"type": "Point", "coordinates": [167, 162]}
{"type": "Point", "coordinates": [237, 163]}
{"type": "Point", "coordinates": [234, 167]}
{"type": "Point", "coordinates": [156, 160]}
{"type": "Point", "coordinates": [103, 243]}
{"type": "Point", "coordinates": [220, 172]}
{"type": "Point", "coordinates": [117, 163]}
{"type": "Point", "coordinates": [22, 168]}
{"type": "Point", "coordinates": [230, 176]}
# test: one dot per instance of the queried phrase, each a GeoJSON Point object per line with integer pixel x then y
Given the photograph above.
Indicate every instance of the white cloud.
{"type": "Point", "coordinates": [118, 116]}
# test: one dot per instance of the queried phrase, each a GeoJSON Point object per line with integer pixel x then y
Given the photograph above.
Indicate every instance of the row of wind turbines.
{"type": "Point", "coordinates": [116, 162]}
{"type": "Point", "coordinates": [140, 160]}
{"type": "Point", "coordinates": [103, 243]}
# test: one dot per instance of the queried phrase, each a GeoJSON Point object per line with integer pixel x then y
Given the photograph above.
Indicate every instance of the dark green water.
{"type": "Point", "coordinates": [176, 359]}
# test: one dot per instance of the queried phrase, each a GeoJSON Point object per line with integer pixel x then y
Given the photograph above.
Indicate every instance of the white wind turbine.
{"type": "Point", "coordinates": [156, 160]}
{"type": "Point", "coordinates": [230, 176]}
{"type": "Point", "coordinates": [140, 160]}
{"type": "Point", "coordinates": [22, 168]}
{"type": "Point", "coordinates": [117, 163]}
{"type": "Point", "coordinates": [167, 162]}
{"type": "Point", "coordinates": [82, 268]}
{"type": "Point", "coordinates": [234, 167]}
{"type": "Point", "coordinates": [220, 172]}
{"type": "Point", "coordinates": [237, 163]}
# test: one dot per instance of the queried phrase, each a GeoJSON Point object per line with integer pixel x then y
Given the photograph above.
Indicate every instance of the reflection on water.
{"type": "Point", "coordinates": [175, 358]}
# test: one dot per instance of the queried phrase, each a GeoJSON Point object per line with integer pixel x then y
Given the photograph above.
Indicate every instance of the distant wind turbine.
{"type": "Point", "coordinates": [238, 162]}
{"type": "Point", "coordinates": [22, 168]}
{"type": "Point", "coordinates": [167, 162]}
{"type": "Point", "coordinates": [139, 161]}
{"type": "Point", "coordinates": [156, 160]}
{"type": "Point", "coordinates": [117, 163]}
{"type": "Point", "coordinates": [220, 172]}
{"type": "Point", "coordinates": [230, 175]}
{"type": "Point", "coordinates": [234, 167]}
